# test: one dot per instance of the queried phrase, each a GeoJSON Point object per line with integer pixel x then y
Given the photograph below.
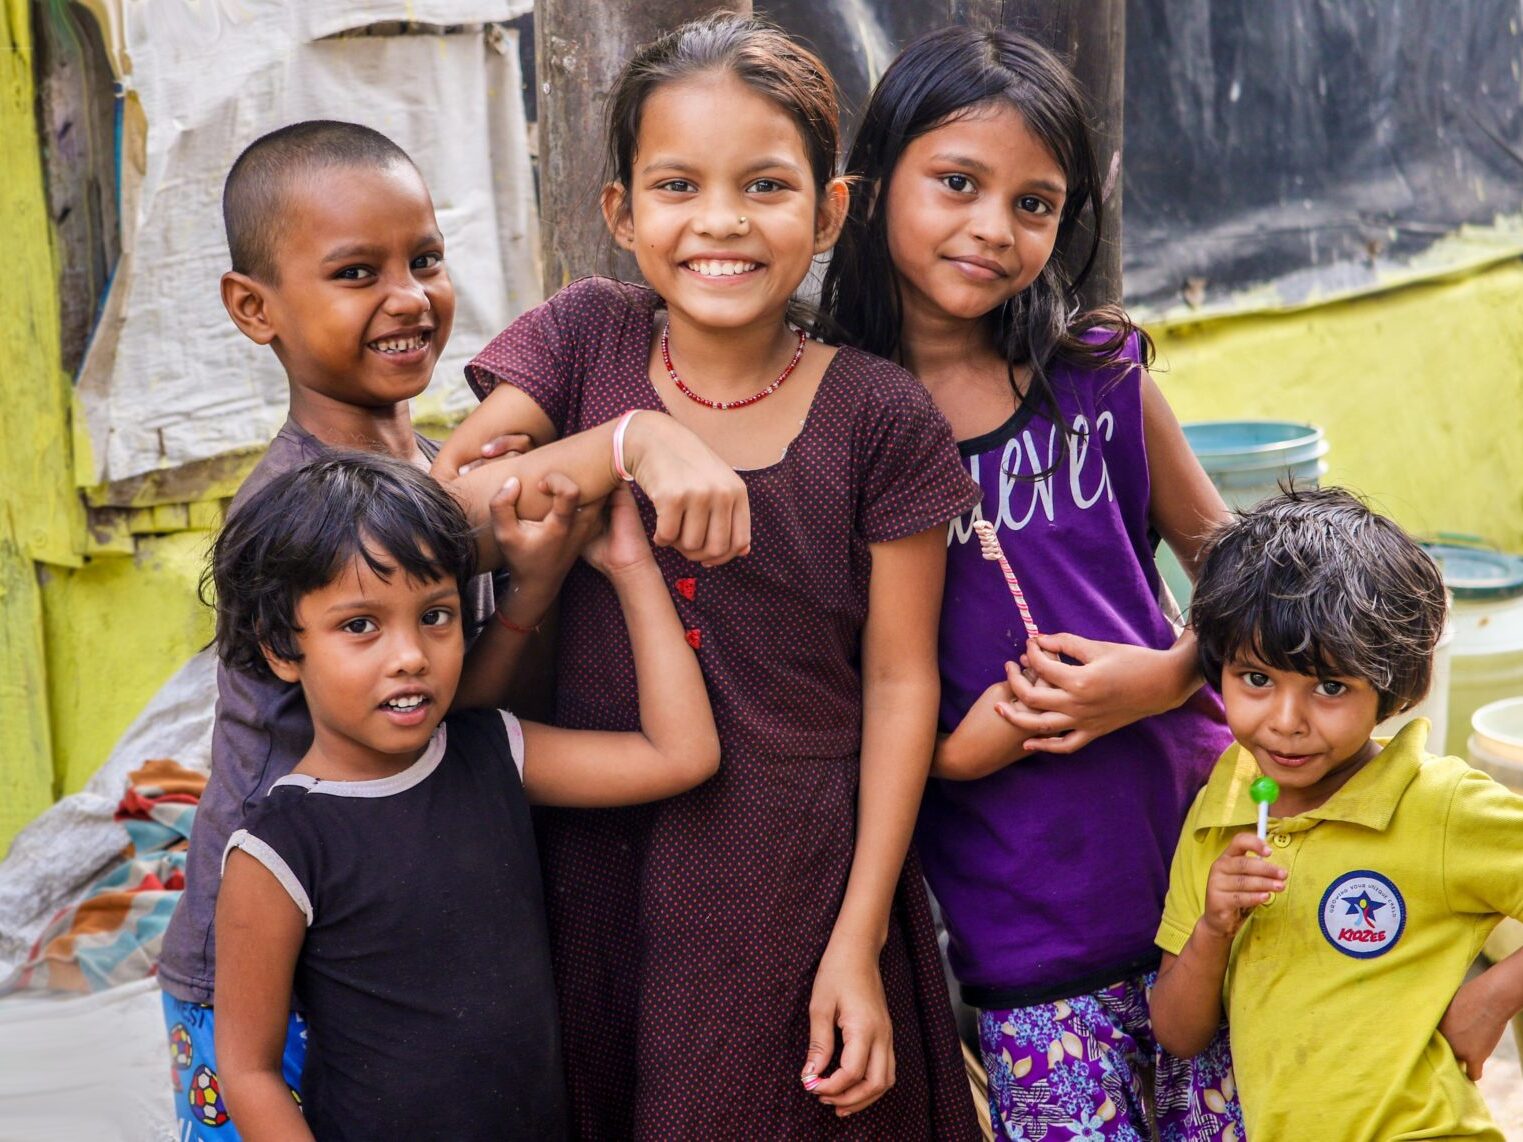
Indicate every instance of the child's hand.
{"type": "Point", "coordinates": [538, 555]}
{"type": "Point", "coordinates": [1238, 884]}
{"type": "Point", "coordinates": [848, 996]}
{"type": "Point", "coordinates": [499, 448]}
{"type": "Point", "coordinates": [1474, 1023]}
{"type": "Point", "coordinates": [1113, 685]}
{"type": "Point", "coordinates": [701, 502]}
{"type": "Point", "coordinates": [622, 544]}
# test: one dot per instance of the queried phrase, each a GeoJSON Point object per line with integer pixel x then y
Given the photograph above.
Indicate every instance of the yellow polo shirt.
{"type": "Point", "coordinates": [1335, 988]}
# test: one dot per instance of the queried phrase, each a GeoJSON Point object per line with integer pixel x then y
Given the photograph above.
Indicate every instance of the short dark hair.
{"type": "Point", "coordinates": [298, 533]}
{"type": "Point", "coordinates": [1314, 582]}
{"type": "Point", "coordinates": [254, 196]}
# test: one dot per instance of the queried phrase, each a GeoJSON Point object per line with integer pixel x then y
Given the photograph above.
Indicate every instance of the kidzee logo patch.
{"type": "Point", "coordinates": [1363, 914]}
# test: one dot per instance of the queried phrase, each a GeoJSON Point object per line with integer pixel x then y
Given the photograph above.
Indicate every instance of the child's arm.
{"type": "Point", "coordinates": [700, 501]}
{"type": "Point", "coordinates": [677, 746]}
{"type": "Point", "coordinates": [900, 691]}
{"type": "Point", "coordinates": [986, 740]}
{"type": "Point", "coordinates": [538, 555]}
{"type": "Point", "coordinates": [1186, 1003]}
{"type": "Point", "coordinates": [1113, 684]}
{"type": "Point", "coordinates": [259, 934]}
{"type": "Point", "coordinates": [1480, 1012]}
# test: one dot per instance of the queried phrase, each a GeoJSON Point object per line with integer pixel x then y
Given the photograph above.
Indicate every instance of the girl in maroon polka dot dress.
{"type": "Point", "coordinates": [749, 959]}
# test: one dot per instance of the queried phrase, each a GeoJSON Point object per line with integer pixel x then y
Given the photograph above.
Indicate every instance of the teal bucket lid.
{"type": "Point", "coordinates": [1234, 445]}
{"type": "Point", "coordinates": [1476, 573]}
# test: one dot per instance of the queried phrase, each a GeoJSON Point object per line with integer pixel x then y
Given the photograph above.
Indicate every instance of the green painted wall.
{"type": "Point", "coordinates": [116, 629]}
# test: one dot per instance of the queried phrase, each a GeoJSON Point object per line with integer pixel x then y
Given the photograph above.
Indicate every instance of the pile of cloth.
{"type": "Point", "coordinates": [85, 894]}
{"type": "Point", "coordinates": [112, 933]}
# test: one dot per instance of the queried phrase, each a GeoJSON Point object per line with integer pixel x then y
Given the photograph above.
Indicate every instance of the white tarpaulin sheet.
{"type": "Point", "coordinates": [168, 380]}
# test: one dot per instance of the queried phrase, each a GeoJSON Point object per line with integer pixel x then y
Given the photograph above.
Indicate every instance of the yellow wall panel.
{"type": "Point", "coordinates": [1420, 392]}
{"type": "Point", "coordinates": [116, 630]}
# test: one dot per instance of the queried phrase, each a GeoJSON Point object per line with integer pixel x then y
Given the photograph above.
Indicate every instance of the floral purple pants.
{"type": "Point", "coordinates": [1075, 1069]}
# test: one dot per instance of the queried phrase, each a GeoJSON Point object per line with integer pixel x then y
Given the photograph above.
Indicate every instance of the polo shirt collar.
{"type": "Point", "coordinates": [1369, 798]}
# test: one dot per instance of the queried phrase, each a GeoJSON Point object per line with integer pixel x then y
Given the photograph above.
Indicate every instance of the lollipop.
{"type": "Point", "coordinates": [1264, 792]}
{"type": "Point", "coordinates": [991, 548]}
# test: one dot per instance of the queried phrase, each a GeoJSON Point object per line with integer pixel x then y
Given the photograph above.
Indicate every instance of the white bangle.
{"type": "Point", "coordinates": [618, 445]}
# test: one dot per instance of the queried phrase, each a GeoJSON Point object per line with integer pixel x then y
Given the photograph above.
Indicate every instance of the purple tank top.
{"type": "Point", "coordinates": [1051, 873]}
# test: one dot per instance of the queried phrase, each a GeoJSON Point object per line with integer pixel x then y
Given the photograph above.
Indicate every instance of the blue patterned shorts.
{"type": "Point", "coordinates": [1075, 1069]}
{"type": "Point", "coordinates": [200, 1109]}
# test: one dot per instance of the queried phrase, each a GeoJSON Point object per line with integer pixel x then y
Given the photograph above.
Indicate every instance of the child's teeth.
{"type": "Point", "coordinates": [406, 703]}
{"type": "Point", "coordinates": [722, 269]}
{"type": "Point", "coordinates": [399, 344]}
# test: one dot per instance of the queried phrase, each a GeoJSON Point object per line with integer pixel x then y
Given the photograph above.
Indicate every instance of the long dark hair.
{"type": "Point", "coordinates": [940, 76]}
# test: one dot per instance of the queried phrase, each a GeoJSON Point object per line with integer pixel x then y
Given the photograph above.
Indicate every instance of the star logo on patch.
{"type": "Point", "coordinates": [1362, 905]}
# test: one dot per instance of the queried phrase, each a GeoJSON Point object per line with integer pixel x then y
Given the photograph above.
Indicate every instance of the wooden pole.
{"type": "Point", "coordinates": [1091, 36]}
{"type": "Point", "coordinates": [580, 45]}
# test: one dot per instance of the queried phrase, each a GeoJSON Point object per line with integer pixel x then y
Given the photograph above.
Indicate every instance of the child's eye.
{"type": "Point", "coordinates": [437, 616]}
{"type": "Point", "coordinates": [958, 183]}
{"type": "Point", "coordinates": [1031, 204]}
{"type": "Point", "coordinates": [1331, 688]}
{"type": "Point", "coordinates": [765, 186]}
{"type": "Point", "coordinates": [677, 186]}
{"type": "Point", "coordinates": [360, 626]}
{"type": "Point", "coordinates": [355, 273]}
{"type": "Point", "coordinates": [429, 260]}
{"type": "Point", "coordinates": [1256, 679]}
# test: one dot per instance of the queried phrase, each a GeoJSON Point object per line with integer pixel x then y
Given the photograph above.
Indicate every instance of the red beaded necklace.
{"type": "Point", "coordinates": [722, 405]}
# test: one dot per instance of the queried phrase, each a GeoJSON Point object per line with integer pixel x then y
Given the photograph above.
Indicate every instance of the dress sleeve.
{"type": "Point", "coordinates": [912, 475]}
{"type": "Point", "coordinates": [1187, 881]}
{"type": "Point", "coordinates": [1483, 847]}
{"type": "Point", "coordinates": [270, 837]}
{"type": "Point", "coordinates": [543, 351]}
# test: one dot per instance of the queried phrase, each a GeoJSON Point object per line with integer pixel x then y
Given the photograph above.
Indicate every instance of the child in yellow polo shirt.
{"type": "Point", "coordinates": [1338, 945]}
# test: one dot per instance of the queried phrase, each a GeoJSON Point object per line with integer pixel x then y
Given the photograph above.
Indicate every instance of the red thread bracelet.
{"type": "Point", "coordinates": [509, 624]}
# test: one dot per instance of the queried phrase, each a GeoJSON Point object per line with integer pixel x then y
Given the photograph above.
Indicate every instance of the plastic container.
{"type": "Point", "coordinates": [1486, 658]}
{"type": "Point", "coordinates": [1247, 460]}
{"type": "Point", "coordinates": [1435, 704]}
{"type": "Point", "coordinates": [1496, 741]}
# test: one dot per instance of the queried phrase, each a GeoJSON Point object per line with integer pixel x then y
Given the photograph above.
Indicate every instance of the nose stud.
{"type": "Point", "coordinates": [743, 221]}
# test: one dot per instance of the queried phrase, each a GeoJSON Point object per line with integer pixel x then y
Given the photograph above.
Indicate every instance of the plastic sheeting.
{"type": "Point", "coordinates": [168, 380]}
{"type": "Point", "coordinates": [1323, 145]}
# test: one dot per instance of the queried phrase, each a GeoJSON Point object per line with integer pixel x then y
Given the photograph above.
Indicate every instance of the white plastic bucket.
{"type": "Point", "coordinates": [1435, 704]}
{"type": "Point", "coordinates": [1496, 741]}
{"type": "Point", "coordinates": [1486, 660]}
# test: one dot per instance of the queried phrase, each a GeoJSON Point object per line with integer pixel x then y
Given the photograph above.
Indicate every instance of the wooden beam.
{"type": "Point", "coordinates": [580, 45]}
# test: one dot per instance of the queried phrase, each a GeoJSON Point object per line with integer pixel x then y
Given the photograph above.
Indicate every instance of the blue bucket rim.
{"type": "Point", "coordinates": [1312, 435]}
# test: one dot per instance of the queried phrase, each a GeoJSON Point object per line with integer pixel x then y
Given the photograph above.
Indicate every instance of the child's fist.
{"type": "Point", "coordinates": [1241, 879]}
{"type": "Point", "coordinates": [622, 544]}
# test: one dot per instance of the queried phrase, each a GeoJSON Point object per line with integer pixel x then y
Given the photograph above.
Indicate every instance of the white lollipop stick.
{"type": "Point", "coordinates": [1263, 820]}
{"type": "Point", "coordinates": [992, 551]}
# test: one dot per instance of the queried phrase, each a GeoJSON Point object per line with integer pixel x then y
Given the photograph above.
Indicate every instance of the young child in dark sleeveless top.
{"type": "Point", "coordinates": [390, 883]}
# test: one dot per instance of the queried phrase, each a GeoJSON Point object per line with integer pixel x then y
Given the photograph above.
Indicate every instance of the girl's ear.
{"type": "Point", "coordinates": [831, 216]}
{"type": "Point", "coordinates": [282, 668]}
{"type": "Point", "coordinates": [246, 303]}
{"type": "Point", "coordinates": [615, 203]}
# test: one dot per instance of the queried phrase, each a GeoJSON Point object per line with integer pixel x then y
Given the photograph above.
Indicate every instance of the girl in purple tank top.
{"type": "Point", "coordinates": [1067, 759]}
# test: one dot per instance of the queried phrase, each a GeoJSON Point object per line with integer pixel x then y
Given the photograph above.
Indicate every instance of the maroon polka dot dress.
{"type": "Point", "coordinates": [686, 933]}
